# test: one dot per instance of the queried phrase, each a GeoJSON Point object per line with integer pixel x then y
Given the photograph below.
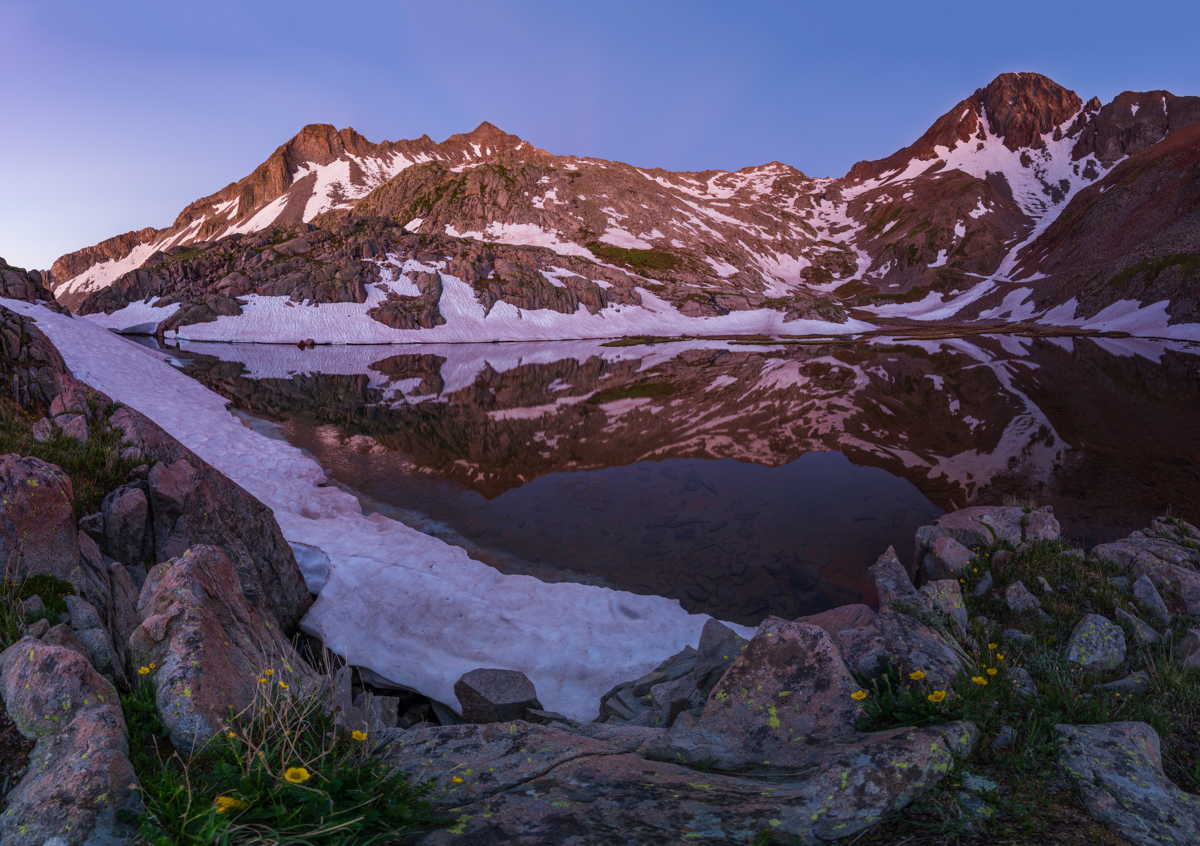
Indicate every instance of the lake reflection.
{"type": "Point", "coordinates": [741, 480]}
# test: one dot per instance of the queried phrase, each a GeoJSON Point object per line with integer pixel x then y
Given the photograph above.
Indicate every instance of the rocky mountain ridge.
{"type": "Point", "coordinates": [960, 224]}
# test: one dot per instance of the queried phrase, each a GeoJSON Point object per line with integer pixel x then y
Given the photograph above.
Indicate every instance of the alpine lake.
{"type": "Point", "coordinates": [743, 477]}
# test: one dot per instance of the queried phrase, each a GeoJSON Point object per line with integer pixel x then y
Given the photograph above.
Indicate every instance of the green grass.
{"type": "Point", "coordinates": [283, 773]}
{"type": "Point", "coordinates": [95, 467]}
{"type": "Point", "coordinates": [654, 261]}
{"type": "Point", "coordinates": [638, 390]}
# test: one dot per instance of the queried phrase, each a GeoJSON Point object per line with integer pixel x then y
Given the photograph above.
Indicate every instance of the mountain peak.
{"type": "Point", "coordinates": [1022, 107]}
{"type": "Point", "coordinates": [485, 138]}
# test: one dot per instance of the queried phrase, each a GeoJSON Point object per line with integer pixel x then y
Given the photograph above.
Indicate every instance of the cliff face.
{"type": "Point", "coordinates": [1010, 183]}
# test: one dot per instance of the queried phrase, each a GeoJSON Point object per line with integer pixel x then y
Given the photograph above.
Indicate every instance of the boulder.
{"type": "Point", "coordinates": [630, 702]}
{"type": "Point", "coordinates": [1019, 599]}
{"type": "Point", "coordinates": [192, 504]}
{"type": "Point", "coordinates": [947, 559]}
{"type": "Point", "coordinates": [495, 696]}
{"type": "Point", "coordinates": [37, 519]}
{"type": "Point", "coordinates": [1189, 650]}
{"type": "Point", "coordinates": [534, 785]}
{"type": "Point", "coordinates": [719, 647]}
{"type": "Point", "coordinates": [92, 632]}
{"type": "Point", "coordinates": [211, 645]}
{"type": "Point", "coordinates": [1096, 644]}
{"type": "Point", "coordinates": [126, 512]}
{"type": "Point", "coordinates": [1117, 770]}
{"type": "Point", "coordinates": [79, 779]}
{"type": "Point", "coordinates": [981, 526]}
{"type": "Point", "coordinates": [870, 642]}
{"type": "Point", "coordinates": [944, 598]}
{"type": "Point", "coordinates": [1172, 579]}
{"type": "Point", "coordinates": [893, 583]}
{"type": "Point", "coordinates": [1005, 738]}
{"type": "Point", "coordinates": [73, 426]}
{"type": "Point", "coordinates": [984, 587]}
{"type": "Point", "coordinates": [1141, 631]}
{"type": "Point", "coordinates": [787, 692]}
{"type": "Point", "coordinates": [1147, 596]}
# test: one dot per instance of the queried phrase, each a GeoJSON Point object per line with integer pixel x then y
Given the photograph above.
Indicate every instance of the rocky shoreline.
{"type": "Point", "coordinates": [838, 725]}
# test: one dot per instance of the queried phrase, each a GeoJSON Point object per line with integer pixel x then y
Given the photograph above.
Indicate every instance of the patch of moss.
{"type": "Point", "coordinates": [640, 390]}
{"type": "Point", "coordinates": [655, 261]}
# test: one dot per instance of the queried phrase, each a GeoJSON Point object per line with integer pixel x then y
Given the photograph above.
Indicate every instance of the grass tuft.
{"type": "Point", "coordinates": [282, 773]}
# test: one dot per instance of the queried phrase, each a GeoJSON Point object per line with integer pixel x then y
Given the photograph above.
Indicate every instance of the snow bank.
{"type": "Point", "coordinates": [407, 606]}
{"type": "Point", "coordinates": [278, 320]}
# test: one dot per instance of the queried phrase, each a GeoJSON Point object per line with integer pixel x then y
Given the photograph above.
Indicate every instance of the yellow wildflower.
{"type": "Point", "coordinates": [358, 735]}
{"type": "Point", "coordinates": [283, 685]}
{"type": "Point", "coordinates": [991, 646]}
{"type": "Point", "coordinates": [999, 656]}
{"type": "Point", "coordinates": [152, 665]}
{"type": "Point", "coordinates": [937, 696]}
{"type": "Point", "coordinates": [224, 803]}
{"type": "Point", "coordinates": [991, 671]}
{"type": "Point", "coordinates": [231, 734]}
{"type": "Point", "coordinates": [917, 675]}
{"type": "Point", "coordinates": [859, 695]}
{"type": "Point", "coordinates": [457, 780]}
{"type": "Point", "coordinates": [979, 680]}
{"type": "Point", "coordinates": [142, 671]}
{"type": "Point", "coordinates": [297, 775]}
{"type": "Point", "coordinates": [269, 673]}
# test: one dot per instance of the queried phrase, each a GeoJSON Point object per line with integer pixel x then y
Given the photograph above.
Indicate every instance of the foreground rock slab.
{"type": "Point", "coordinates": [79, 776]}
{"type": "Point", "coordinates": [535, 786]}
{"type": "Point", "coordinates": [1117, 769]}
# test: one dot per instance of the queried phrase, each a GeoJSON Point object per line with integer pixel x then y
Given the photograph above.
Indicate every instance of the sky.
{"type": "Point", "coordinates": [114, 116]}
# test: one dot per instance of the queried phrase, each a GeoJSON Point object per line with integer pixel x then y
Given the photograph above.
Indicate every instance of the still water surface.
{"type": "Point", "coordinates": [741, 480]}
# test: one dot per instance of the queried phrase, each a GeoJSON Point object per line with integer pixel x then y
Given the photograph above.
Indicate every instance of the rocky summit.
{"type": "Point", "coordinates": [1023, 204]}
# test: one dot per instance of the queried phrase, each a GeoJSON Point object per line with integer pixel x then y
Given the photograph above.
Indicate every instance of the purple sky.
{"type": "Point", "coordinates": [114, 116]}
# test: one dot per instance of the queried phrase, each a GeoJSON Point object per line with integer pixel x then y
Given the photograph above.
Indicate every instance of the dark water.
{"type": "Point", "coordinates": [740, 480]}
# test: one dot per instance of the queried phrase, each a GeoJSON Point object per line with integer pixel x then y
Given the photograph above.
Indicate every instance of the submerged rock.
{"type": "Point", "coordinates": [1117, 769]}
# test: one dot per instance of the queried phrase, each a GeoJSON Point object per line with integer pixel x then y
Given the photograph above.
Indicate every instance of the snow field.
{"type": "Point", "coordinates": [408, 607]}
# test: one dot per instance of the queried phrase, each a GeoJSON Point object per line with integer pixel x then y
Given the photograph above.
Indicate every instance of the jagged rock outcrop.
{"type": "Point", "coordinates": [187, 607]}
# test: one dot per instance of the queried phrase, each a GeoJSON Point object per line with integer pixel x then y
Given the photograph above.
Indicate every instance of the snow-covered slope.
{"type": "Point", "coordinates": [950, 226]}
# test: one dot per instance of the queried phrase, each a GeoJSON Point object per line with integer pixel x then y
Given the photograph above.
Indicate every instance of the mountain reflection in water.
{"type": "Point", "coordinates": [741, 480]}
